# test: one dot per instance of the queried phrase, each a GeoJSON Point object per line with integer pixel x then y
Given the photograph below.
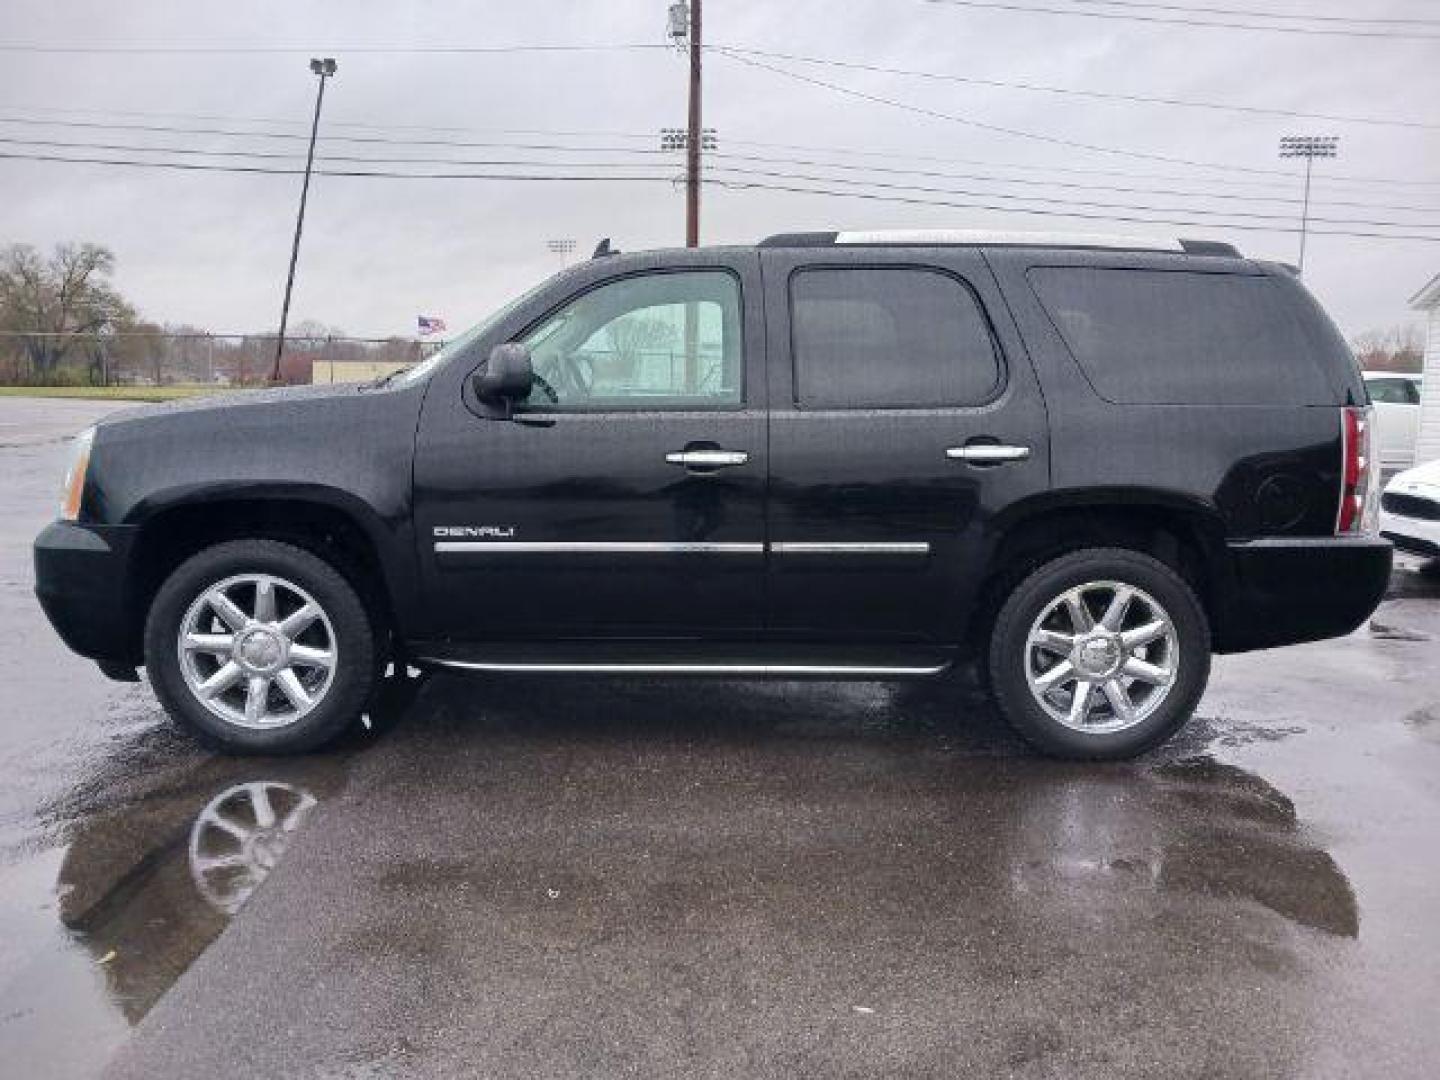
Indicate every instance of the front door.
{"type": "Point", "coordinates": [905, 418]}
{"type": "Point", "coordinates": [625, 500]}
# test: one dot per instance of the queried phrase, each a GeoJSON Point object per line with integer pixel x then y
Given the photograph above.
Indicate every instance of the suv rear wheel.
{"type": "Point", "coordinates": [1100, 654]}
{"type": "Point", "coordinates": [260, 647]}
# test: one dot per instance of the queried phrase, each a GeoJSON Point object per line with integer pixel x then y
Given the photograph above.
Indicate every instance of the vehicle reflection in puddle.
{"type": "Point", "coordinates": [1195, 826]}
{"type": "Point", "coordinates": [148, 885]}
{"type": "Point", "coordinates": [240, 836]}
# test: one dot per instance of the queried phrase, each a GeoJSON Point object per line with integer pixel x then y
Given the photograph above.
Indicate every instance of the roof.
{"type": "Point", "coordinates": [1428, 297]}
{"type": "Point", "coordinates": [996, 238]}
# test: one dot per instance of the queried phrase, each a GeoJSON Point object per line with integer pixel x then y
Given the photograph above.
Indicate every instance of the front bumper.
{"type": "Point", "coordinates": [81, 581]}
{"type": "Point", "coordinates": [1283, 591]}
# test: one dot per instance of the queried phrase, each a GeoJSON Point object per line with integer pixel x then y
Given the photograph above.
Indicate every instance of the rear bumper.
{"type": "Point", "coordinates": [1282, 591]}
{"type": "Point", "coordinates": [81, 582]}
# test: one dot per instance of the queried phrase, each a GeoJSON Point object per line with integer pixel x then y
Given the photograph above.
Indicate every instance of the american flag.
{"type": "Point", "coordinates": [429, 324]}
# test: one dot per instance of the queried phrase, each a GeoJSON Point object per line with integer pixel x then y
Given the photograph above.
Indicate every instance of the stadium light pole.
{"type": "Point", "coordinates": [564, 247]}
{"type": "Point", "coordinates": [1308, 147]}
{"type": "Point", "coordinates": [323, 69]}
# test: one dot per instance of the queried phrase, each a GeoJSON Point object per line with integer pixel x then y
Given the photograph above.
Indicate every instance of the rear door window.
{"type": "Point", "coordinates": [889, 337]}
{"type": "Point", "coordinates": [1158, 337]}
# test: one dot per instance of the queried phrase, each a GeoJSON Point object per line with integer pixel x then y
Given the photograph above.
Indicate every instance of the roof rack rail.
{"type": "Point", "coordinates": [996, 238]}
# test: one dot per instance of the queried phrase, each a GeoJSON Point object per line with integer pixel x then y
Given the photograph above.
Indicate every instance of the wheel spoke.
{"type": "Point", "coordinates": [1080, 706]}
{"type": "Point", "coordinates": [293, 625]}
{"type": "Point", "coordinates": [226, 608]}
{"type": "Point", "coordinates": [1054, 641]}
{"type": "Point", "coordinates": [1142, 635]}
{"type": "Point", "coordinates": [1056, 675]}
{"type": "Point", "coordinates": [256, 693]}
{"type": "Point", "coordinates": [265, 600]}
{"type": "Point", "coordinates": [1119, 699]}
{"type": "Point", "coordinates": [226, 676]}
{"type": "Point", "coordinates": [310, 656]}
{"type": "Point", "coordinates": [215, 644]}
{"type": "Point", "coordinates": [1080, 617]}
{"type": "Point", "coordinates": [228, 825]}
{"type": "Point", "coordinates": [1146, 672]}
{"type": "Point", "coordinates": [260, 802]}
{"type": "Point", "coordinates": [291, 687]}
{"type": "Point", "coordinates": [1114, 615]}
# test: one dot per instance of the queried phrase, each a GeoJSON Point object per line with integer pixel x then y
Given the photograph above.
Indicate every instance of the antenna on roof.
{"type": "Point", "coordinates": [602, 249]}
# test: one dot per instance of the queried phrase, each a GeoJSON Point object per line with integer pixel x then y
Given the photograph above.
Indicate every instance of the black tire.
{"type": "Point", "coordinates": [1007, 656]}
{"type": "Point", "coordinates": [355, 637]}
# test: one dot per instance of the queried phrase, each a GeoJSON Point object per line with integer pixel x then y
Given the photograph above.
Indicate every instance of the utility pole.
{"type": "Point", "coordinates": [1309, 147]}
{"type": "Point", "coordinates": [694, 135]}
{"type": "Point", "coordinates": [564, 247]}
{"type": "Point", "coordinates": [323, 69]}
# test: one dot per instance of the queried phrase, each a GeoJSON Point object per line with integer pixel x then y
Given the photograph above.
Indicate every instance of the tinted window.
{"type": "Point", "coordinates": [888, 337]}
{"type": "Point", "coordinates": [1167, 337]}
{"type": "Point", "coordinates": [1392, 391]}
{"type": "Point", "coordinates": [653, 341]}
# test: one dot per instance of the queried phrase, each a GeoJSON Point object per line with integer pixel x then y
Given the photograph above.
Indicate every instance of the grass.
{"type": "Point", "coordinates": [111, 393]}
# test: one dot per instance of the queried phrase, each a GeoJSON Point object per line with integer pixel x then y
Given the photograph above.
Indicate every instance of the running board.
{"type": "Point", "coordinates": [687, 658]}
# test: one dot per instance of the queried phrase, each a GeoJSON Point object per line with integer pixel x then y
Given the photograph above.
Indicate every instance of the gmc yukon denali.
{"type": "Point", "coordinates": [1087, 463]}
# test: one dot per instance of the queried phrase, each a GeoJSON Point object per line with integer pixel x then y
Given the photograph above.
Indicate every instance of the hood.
{"type": "Point", "coordinates": [231, 399]}
{"type": "Point", "coordinates": [1426, 476]}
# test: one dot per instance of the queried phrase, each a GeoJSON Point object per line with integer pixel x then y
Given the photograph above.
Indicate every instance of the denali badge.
{"type": "Point", "coordinates": [490, 532]}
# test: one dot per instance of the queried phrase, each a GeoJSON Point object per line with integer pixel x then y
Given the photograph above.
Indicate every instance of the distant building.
{"type": "Point", "coordinates": [1427, 442]}
{"type": "Point", "coordinates": [352, 371]}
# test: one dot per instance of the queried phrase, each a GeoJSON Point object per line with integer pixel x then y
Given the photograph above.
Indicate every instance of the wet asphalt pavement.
{"type": "Point", "coordinates": [600, 878]}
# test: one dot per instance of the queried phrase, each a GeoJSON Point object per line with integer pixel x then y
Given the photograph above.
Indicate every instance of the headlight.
{"type": "Point", "coordinates": [75, 476]}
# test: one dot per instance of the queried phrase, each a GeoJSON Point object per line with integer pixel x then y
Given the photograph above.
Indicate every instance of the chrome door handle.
{"type": "Point", "coordinates": [987, 453]}
{"type": "Point", "coordinates": [707, 459]}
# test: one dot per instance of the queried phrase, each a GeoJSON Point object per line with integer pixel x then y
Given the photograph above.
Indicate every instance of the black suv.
{"type": "Point", "coordinates": [1090, 462]}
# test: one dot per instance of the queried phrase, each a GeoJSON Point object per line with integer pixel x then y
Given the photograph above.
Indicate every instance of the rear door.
{"type": "Point", "coordinates": [905, 418]}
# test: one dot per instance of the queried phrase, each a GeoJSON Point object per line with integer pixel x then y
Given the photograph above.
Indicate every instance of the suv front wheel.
{"type": "Point", "coordinates": [260, 647]}
{"type": "Point", "coordinates": [1100, 654]}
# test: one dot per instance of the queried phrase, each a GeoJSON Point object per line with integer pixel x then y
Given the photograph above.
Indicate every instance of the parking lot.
{"type": "Point", "coordinates": [534, 878]}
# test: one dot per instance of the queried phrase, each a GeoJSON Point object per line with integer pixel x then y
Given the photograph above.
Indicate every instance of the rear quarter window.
{"type": "Point", "coordinates": [1167, 337]}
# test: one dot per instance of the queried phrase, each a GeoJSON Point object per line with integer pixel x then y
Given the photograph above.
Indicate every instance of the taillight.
{"type": "Point", "coordinates": [1359, 474]}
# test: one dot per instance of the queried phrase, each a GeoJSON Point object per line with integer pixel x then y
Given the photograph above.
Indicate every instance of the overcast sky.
{"type": "Point", "coordinates": [211, 248]}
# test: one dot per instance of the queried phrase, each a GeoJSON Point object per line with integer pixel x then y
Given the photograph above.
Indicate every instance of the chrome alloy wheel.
{"type": "Point", "coordinates": [1102, 657]}
{"type": "Point", "coordinates": [257, 651]}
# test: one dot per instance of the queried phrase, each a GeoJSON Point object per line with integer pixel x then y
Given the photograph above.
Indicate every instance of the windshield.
{"type": "Point", "coordinates": [456, 346]}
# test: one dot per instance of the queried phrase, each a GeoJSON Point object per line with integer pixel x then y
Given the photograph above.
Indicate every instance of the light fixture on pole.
{"type": "Point", "coordinates": [1308, 147]}
{"type": "Point", "coordinates": [323, 69]}
{"type": "Point", "coordinates": [564, 247]}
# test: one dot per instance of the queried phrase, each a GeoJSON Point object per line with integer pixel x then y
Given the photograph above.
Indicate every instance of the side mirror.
{"type": "Point", "coordinates": [505, 379]}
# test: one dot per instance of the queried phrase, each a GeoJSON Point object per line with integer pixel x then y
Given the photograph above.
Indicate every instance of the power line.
{"type": "Point", "coordinates": [1212, 24]}
{"type": "Point", "coordinates": [935, 114]}
{"type": "Point", "coordinates": [1099, 95]}
{"type": "Point", "coordinates": [741, 184]}
{"type": "Point", "coordinates": [1067, 214]}
{"type": "Point", "coordinates": [1191, 9]}
{"type": "Point", "coordinates": [722, 157]}
{"type": "Point", "coordinates": [647, 137]}
{"type": "Point", "coordinates": [262, 50]}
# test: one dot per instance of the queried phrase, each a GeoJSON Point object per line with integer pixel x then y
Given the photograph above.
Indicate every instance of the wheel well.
{"type": "Point", "coordinates": [172, 536]}
{"type": "Point", "coordinates": [1181, 540]}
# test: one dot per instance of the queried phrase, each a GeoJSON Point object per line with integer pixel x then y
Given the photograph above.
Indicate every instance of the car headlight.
{"type": "Point", "coordinates": [74, 487]}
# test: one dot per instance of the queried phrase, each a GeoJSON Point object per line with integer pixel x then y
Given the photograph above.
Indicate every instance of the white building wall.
{"type": "Point", "coordinates": [1427, 442]}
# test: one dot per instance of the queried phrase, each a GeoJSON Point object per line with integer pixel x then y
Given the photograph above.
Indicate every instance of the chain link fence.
{"type": "Point", "coordinates": [198, 359]}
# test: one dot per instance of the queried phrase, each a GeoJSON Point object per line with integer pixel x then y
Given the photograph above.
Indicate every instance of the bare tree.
{"type": "Point", "coordinates": [58, 304]}
{"type": "Point", "coordinates": [1399, 348]}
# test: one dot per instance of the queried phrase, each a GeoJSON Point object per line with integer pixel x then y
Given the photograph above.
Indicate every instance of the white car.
{"type": "Point", "coordinates": [1396, 397]}
{"type": "Point", "coordinates": [1410, 510]}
